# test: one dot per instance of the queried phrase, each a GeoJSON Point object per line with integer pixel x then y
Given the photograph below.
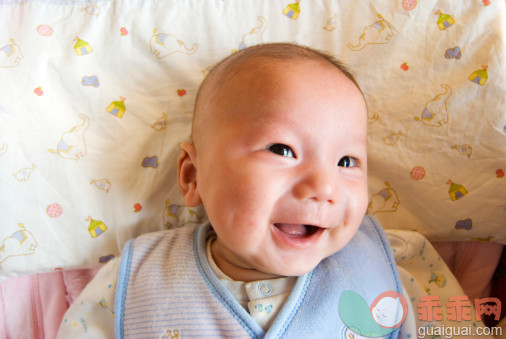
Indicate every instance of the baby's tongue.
{"type": "Point", "coordinates": [295, 230]}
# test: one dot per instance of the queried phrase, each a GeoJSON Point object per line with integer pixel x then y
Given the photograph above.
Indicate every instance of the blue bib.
{"type": "Point", "coordinates": [166, 288]}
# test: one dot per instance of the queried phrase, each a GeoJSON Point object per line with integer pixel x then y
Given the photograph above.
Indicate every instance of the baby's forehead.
{"type": "Point", "coordinates": [253, 75]}
{"type": "Point", "coordinates": [257, 72]}
{"type": "Point", "coordinates": [261, 56]}
{"type": "Point", "coordinates": [243, 75]}
{"type": "Point", "coordinates": [259, 66]}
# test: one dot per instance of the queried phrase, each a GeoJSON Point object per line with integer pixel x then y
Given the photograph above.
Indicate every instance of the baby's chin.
{"type": "Point", "coordinates": [293, 266]}
{"type": "Point", "coordinates": [267, 272]}
{"type": "Point", "coordinates": [292, 270]}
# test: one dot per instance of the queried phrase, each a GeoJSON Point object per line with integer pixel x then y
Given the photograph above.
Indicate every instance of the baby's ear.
{"type": "Point", "coordinates": [187, 175]}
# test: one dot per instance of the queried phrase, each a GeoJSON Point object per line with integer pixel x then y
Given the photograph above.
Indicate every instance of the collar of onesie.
{"type": "Point", "coordinates": [263, 299]}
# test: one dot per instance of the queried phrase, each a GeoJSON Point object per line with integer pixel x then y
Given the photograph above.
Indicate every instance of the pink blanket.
{"type": "Point", "coordinates": [472, 262]}
{"type": "Point", "coordinates": [33, 306]}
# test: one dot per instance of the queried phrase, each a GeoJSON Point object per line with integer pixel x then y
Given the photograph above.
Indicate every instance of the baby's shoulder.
{"type": "Point", "coordinates": [168, 233]}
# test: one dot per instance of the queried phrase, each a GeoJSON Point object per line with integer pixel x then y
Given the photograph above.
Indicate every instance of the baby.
{"type": "Point", "coordinates": [278, 159]}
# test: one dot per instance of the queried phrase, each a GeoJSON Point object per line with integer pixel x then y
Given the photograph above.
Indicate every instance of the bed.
{"type": "Point", "coordinates": [96, 96]}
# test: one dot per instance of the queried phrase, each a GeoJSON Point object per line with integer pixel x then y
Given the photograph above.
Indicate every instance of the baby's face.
{"type": "Point", "coordinates": [283, 173]}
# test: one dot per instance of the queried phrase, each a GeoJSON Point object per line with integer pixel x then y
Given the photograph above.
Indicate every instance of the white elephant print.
{"type": "Point", "coordinates": [177, 215]}
{"type": "Point", "coordinates": [465, 150]}
{"type": "Point", "coordinates": [24, 174]}
{"type": "Point", "coordinates": [72, 144]}
{"type": "Point", "coordinates": [435, 112]}
{"type": "Point", "coordinates": [161, 123]}
{"type": "Point", "coordinates": [254, 37]}
{"type": "Point", "coordinates": [392, 139]}
{"type": "Point", "coordinates": [385, 200]}
{"type": "Point", "coordinates": [91, 9]}
{"type": "Point", "coordinates": [163, 45]}
{"type": "Point", "coordinates": [20, 242]}
{"type": "Point", "coordinates": [379, 32]}
{"type": "Point", "coordinates": [331, 23]}
{"type": "Point", "coordinates": [10, 55]}
{"type": "Point", "coordinates": [102, 184]}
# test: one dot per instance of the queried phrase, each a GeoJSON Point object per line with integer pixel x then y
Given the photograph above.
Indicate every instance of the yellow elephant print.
{"type": "Point", "coordinates": [435, 112]}
{"type": "Point", "coordinates": [163, 45]}
{"type": "Point", "coordinates": [161, 123]}
{"type": "Point", "coordinates": [465, 150]}
{"type": "Point", "coordinates": [21, 242]}
{"type": "Point", "coordinates": [180, 215]}
{"type": "Point", "coordinates": [254, 37]}
{"type": "Point", "coordinates": [331, 23]}
{"type": "Point", "coordinates": [10, 55]}
{"type": "Point", "coordinates": [379, 32]}
{"type": "Point", "coordinates": [386, 200]}
{"type": "Point", "coordinates": [72, 145]}
{"type": "Point", "coordinates": [102, 184]}
{"type": "Point", "coordinates": [91, 9]}
{"type": "Point", "coordinates": [24, 173]}
{"type": "Point", "coordinates": [392, 139]}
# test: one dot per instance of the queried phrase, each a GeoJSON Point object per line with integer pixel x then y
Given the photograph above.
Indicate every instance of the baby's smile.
{"type": "Point", "coordinates": [297, 230]}
{"type": "Point", "coordinates": [298, 235]}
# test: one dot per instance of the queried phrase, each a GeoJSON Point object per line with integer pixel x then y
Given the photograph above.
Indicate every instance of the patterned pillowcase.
{"type": "Point", "coordinates": [94, 102]}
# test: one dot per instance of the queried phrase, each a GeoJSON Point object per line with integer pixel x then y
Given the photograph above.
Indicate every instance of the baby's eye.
{"type": "Point", "coordinates": [281, 149]}
{"type": "Point", "coordinates": [348, 162]}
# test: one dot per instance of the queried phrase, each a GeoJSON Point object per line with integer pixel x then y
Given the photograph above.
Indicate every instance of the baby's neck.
{"type": "Point", "coordinates": [238, 273]}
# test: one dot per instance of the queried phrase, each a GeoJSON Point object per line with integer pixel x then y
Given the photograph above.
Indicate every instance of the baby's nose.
{"type": "Point", "coordinates": [318, 184]}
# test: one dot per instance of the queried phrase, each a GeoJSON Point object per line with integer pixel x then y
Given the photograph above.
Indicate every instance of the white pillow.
{"type": "Point", "coordinates": [95, 98]}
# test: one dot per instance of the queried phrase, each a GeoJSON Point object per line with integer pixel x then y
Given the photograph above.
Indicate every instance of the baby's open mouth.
{"type": "Point", "coordinates": [297, 230]}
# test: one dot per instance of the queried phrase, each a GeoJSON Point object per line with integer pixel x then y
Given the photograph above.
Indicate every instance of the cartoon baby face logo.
{"type": "Point", "coordinates": [389, 309]}
{"type": "Point", "coordinates": [386, 313]}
